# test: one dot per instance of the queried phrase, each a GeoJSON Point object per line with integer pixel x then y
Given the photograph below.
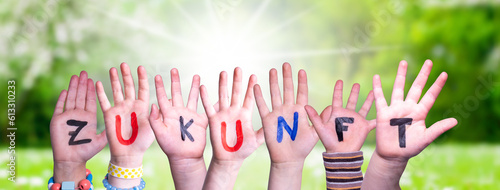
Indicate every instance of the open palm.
{"type": "Point", "coordinates": [283, 146]}
{"type": "Point", "coordinates": [76, 106]}
{"type": "Point", "coordinates": [167, 124]}
{"type": "Point", "coordinates": [232, 117]}
{"type": "Point", "coordinates": [395, 141]}
{"type": "Point", "coordinates": [358, 127]}
{"type": "Point", "coordinates": [126, 113]}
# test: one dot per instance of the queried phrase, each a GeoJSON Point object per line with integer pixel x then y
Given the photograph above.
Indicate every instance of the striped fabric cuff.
{"type": "Point", "coordinates": [343, 170]}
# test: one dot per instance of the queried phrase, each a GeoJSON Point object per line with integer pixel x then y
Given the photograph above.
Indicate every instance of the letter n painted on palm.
{"type": "Point", "coordinates": [239, 137]}
{"type": "Point", "coordinates": [283, 124]}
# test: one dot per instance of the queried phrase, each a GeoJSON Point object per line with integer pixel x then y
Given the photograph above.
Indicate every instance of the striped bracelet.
{"type": "Point", "coordinates": [343, 170]}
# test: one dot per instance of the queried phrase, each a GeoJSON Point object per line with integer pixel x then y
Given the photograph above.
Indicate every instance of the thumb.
{"type": "Point", "coordinates": [314, 117]}
{"type": "Point", "coordinates": [102, 140]}
{"type": "Point", "coordinates": [154, 119]}
{"type": "Point", "coordinates": [260, 136]}
{"type": "Point", "coordinates": [439, 128]}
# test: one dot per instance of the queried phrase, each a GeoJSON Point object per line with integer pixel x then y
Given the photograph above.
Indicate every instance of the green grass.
{"type": "Point", "coordinates": [438, 167]}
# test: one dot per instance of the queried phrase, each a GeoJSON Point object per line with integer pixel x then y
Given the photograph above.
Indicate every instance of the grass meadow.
{"type": "Point", "coordinates": [448, 166]}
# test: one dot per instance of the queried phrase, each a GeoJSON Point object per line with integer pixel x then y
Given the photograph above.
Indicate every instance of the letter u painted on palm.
{"type": "Point", "coordinates": [135, 129]}
{"type": "Point", "coordinates": [239, 137]}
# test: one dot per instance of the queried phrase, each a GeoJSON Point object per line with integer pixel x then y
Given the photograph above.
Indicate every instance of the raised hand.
{"type": "Point", "coordinates": [179, 129]}
{"type": "Point", "coordinates": [395, 141]}
{"type": "Point", "coordinates": [73, 130]}
{"type": "Point", "coordinates": [289, 137]}
{"type": "Point", "coordinates": [286, 145]}
{"type": "Point", "coordinates": [231, 132]}
{"type": "Point", "coordinates": [127, 122]}
{"type": "Point", "coordinates": [343, 129]}
{"type": "Point", "coordinates": [181, 132]}
{"type": "Point", "coordinates": [401, 131]}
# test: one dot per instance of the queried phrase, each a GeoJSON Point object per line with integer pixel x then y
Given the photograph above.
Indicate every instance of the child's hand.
{"type": "Point", "coordinates": [127, 122]}
{"type": "Point", "coordinates": [73, 130]}
{"type": "Point", "coordinates": [231, 130]}
{"type": "Point", "coordinates": [181, 132]}
{"type": "Point", "coordinates": [289, 137]}
{"type": "Point", "coordinates": [285, 144]}
{"type": "Point", "coordinates": [343, 130]}
{"type": "Point", "coordinates": [401, 130]}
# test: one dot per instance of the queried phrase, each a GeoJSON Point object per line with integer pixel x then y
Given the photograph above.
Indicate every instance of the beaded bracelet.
{"type": "Point", "coordinates": [85, 184]}
{"type": "Point", "coordinates": [108, 186]}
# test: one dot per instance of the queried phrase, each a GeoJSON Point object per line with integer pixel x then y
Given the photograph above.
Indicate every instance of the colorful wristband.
{"type": "Point", "coordinates": [124, 173]}
{"type": "Point", "coordinates": [343, 170]}
{"type": "Point", "coordinates": [108, 186]}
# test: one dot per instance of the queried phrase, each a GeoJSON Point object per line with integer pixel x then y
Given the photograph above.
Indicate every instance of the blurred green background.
{"type": "Point", "coordinates": [43, 43]}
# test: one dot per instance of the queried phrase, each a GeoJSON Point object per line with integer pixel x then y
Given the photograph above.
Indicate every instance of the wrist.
{"type": "Point", "coordinates": [232, 164]}
{"type": "Point", "coordinates": [188, 169]}
{"type": "Point", "coordinates": [69, 171]}
{"type": "Point", "coordinates": [389, 162]}
{"type": "Point", "coordinates": [284, 165]}
{"type": "Point", "coordinates": [127, 161]}
{"type": "Point", "coordinates": [187, 165]}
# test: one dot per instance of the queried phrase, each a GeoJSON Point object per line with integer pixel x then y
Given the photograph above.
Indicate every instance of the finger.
{"type": "Point", "coordinates": [259, 135]}
{"type": "Point", "coordinates": [337, 94]}
{"type": "Point", "coordinates": [236, 94]}
{"type": "Point", "coordinates": [101, 95]}
{"type": "Point", "coordinates": [194, 93]}
{"type": "Point", "coordinates": [102, 140]}
{"type": "Point", "coordinates": [60, 103]}
{"type": "Point", "coordinates": [314, 117]}
{"type": "Point", "coordinates": [81, 93]}
{"type": "Point", "coordinates": [91, 104]}
{"type": "Point", "coordinates": [72, 90]}
{"type": "Point", "coordinates": [143, 84]}
{"type": "Point", "coordinates": [223, 95]}
{"type": "Point", "coordinates": [209, 109]}
{"type": "Point", "coordinates": [367, 105]}
{"type": "Point", "coordinates": [155, 119]}
{"type": "Point", "coordinates": [116, 86]}
{"type": "Point", "coordinates": [249, 96]}
{"type": "Point", "coordinates": [378, 93]}
{"type": "Point", "coordinates": [216, 106]}
{"type": "Point", "coordinates": [433, 92]}
{"type": "Point", "coordinates": [261, 103]}
{"type": "Point", "coordinates": [275, 89]}
{"type": "Point", "coordinates": [302, 92]}
{"type": "Point", "coordinates": [439, 128]}
{"type": "Point", "coordinates": [372, 124]}
{"type": "Point", "coordinates": [326, 114]}
{"type": "Point", "coordinates": [353, 97]}
{"type": "Point", "coordinates": [176, 89]}
{"type": "Point", "coordinates": [398, 91]}
{"type": "Point", "coordinates": [419, 83]}
{"type": "Point", "coordinates": [161, 95]}
{"type": "Point", "coordinates": [128, 81]}
{"type": "Point", "coordinates": [288, 90]}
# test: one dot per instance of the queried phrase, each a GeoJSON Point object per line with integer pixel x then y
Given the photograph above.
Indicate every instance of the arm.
{"type": "Point", "coordinates": [343, 131]}
{"type": "Point", "coordinates": [127, 125]}
{"type": "Point", "coordinates": [401, 130]}
{"type": "Point", "coordinates": [181, 132]}
{"type": "Point", "coordinates": [231, 132]}
{"type": "Point", "coordinates": [287, 150]}
{"type": "Point", "coordinates": [71, 152]}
